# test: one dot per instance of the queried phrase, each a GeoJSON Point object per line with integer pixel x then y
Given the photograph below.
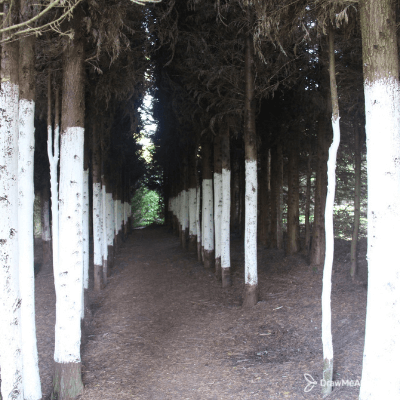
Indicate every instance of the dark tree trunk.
{"type": "Point", "coordinates": [318, 241]}
{"type": "Point", "coordinates": [250, 297]}
{"type": "Point", "coordinates": [279, 222]}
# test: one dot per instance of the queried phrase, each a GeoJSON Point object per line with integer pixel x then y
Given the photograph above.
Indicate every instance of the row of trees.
{"type": "Point", "coordinates": [262, 76]}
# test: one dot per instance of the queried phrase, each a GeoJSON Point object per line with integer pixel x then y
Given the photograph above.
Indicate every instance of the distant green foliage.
{"type": "Point", "coordinates": [147, 207]}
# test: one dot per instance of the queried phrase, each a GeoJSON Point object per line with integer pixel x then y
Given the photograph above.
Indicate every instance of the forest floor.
{"type": "Point", "coordinates": [163, 328]}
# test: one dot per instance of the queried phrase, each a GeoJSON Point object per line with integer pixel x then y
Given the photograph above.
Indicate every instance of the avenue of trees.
{"type": "Point", "coordinates": [247, 98]}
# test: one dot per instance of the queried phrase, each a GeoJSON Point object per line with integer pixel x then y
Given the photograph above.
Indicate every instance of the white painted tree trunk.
{"type": "Point", "coordinates": [208, 221]}
{"type": "Point", "coordinates": [85, 224]}
{"type": "Point", "coordinates": [329, 249]}
{"type": "Point", "coordinates": [70, 275]}
{"type": "Point", "coordinates": [217, 218]}
{"type": "Point", "coordinates": [26, 147]}
{"type": "Point", "coordinates": [380, 377]}
{"type": "Point", "coordinates": [104, 245]}
{"type": "Point", "coordinates": [53, 153]}
{"type": "Point", "coordinates": [250, 234]}
{"type": "Point", "coordinates": [192, 212]}
{"type": "Point", "coordinates": [226, 227]}
{"type": "Point", "coordinates": [110, 220]}
{"type": "Point", "coordinates": [198, 222]}
{"type": "Point", "coordinates": [97, 224]}
{"type": "Point", "coordinates": [329, 231]}
{"type": "Point", "coordinates": [46, 231]}
{"type": "Point", "coordinates": [10, 300]}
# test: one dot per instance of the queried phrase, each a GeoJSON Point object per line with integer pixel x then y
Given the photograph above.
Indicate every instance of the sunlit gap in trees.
{"type": "Point", "coordinates": [147, 204]}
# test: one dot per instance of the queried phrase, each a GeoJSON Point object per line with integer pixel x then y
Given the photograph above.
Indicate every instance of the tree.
{"type": "Point", "coordinates": [26, 146]}
{"type": "Point", "coordinates": [69, 282]}
{"type": "Point", "coordinates": [10, 300]}
{"type": "Point", "coordinates": [380, 378]}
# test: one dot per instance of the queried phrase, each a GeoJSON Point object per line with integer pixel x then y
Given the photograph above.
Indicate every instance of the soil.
{"type": "Point", "coordinates": [163, 328]}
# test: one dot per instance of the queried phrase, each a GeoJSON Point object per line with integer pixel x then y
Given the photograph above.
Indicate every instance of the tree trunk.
{"type": "Point", "coordinates": [110, 227]}
{"type": "Point", "coordinates": [97, 210]}
{"type": "Point", "coordinates": [250, 297]}
{"type": "Point", "coordinates": [293, 230]}
{"type": "Point", "coordinates": [357, 192]}
{"type": "Point", "coordinates": [198, 222]}
{"type": "Point", "coordinates": [85, 225]}
{"type": "Point", "coordinates": [10, 301]}
{"type": "Point", "coordinates": [67, 373]}
{"type": "Point", "coordinates": [226, 210]}
{"type": "Point", "coordinates": [318, 239]}
{"type": "Point", "coordinates": [217, 203]}
{"type": "Point", "coordinates": [235, 198]}
{"type": "Point", "coordinates": [26, 147]}
{"type": "Point", "coordinates": [380, 377]}
{"type": "Point", "coordinates": [104, 246]}
{"type": "Point", "coordinates": [208, 211]}
{"type": "Point", "coordinates": [329, 232]}
{"type": "Point", "coordinates": [192, 202]}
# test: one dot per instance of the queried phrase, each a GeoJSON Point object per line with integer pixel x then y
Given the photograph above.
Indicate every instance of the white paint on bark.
{"type": "Point", "coordinates": [26, 148]}
{"type": "Point", "coordinates": [185, 210]}
{"type": "Point", "coordinates": [217, 212]}
{"type": "Point", "coordinates": [97, 224]}
{"type": "Point", "coordinates": [192, 211]}
{"type": "Point", "coordinates": [198, 201]}
{"type": "Point", "coordinates": [226, 219]}
{"type": "Point", "coordinates": [116, 217]}
{"type": "Point", "coordinates": [70, 276]}
{"type": "Point", "coordinates": [380, 376]}
{"type": "Point", "coordinates": [53, 153]}
{"type": "Point", "coordinates": [110, 219]}
{"type": "Point", "coordinates": [10, 300]}
{"type": "Point", "coordinates": [250, 234]}
{"type": "Point", "coordinates": [104, 221]}
{"type": "Point", "coordinates": [208, 213]}
{"type": "Point", "coordinates": [329, 245]}
{"type": "Point", "coordinates": [85, 224]}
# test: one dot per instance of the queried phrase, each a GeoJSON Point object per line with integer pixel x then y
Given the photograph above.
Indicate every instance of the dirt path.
{"type": "Point", "coordinates": [164, 329]}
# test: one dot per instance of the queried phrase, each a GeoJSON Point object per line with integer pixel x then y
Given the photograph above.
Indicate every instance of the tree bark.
{"type": "Point", "coordinates": [10, 300]}
{"type": "Point", "coordinates": [67, 383]}
{"type": "Point", "coordinates": [192, 246]}
{"type": "Point", "coordinates": [357, 192]}
{"type": "Point", "coordinates": [26, 147]}
{"type": "Point", "coordinates": [329, 232]}
{"type": "Point", "coordinates": [318, 238]}
{"type": "Point", "coordinates": [380, 377]}
{"type": "Point", "coordinates": [279, 222]}
{"type": "Point", "coordinates": [226, 210]}
{"type": "Point", "coordinates": [250, 297]}
{"type": "Point", "coordinates": [208, 210]}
